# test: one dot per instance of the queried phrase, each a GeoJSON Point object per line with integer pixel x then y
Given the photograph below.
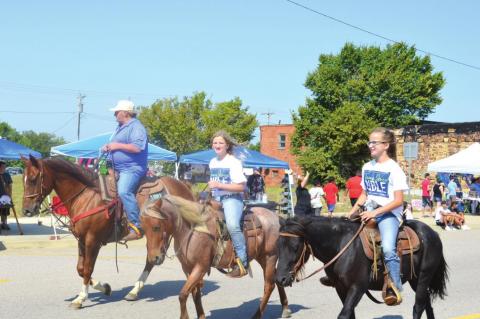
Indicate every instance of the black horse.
{"type": "Point", "coordinates": [352, 272]}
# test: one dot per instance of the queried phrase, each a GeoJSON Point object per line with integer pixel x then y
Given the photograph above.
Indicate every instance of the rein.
{"type": "Point", "coordinates": [306, 246]}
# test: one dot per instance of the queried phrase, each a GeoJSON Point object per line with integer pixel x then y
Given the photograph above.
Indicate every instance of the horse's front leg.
{"type": "Point", "coordinates": [350, 298]}
{"type": "Point", "coordinates": [89, 257]}
{"type": "Point", "coordinates": [197, 299]}
{"type": "Point", "coordinates": [133, 294]}
{"type": "Point", "coordinates": [193, 280]}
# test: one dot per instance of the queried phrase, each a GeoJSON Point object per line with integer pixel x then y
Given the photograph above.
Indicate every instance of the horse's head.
{"type": "Point", "coordinates": [158, 231]}
{"type": "Point", "coordinates": [36, 184]}
{"type": "Point", "coordinates": [293, 252]}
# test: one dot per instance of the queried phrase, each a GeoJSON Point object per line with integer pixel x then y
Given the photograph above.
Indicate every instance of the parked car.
{"type": "Point", "coordinates": [14, 170]}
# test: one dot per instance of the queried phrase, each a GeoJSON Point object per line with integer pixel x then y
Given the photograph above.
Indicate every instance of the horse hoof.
{"type": "Point", "coordinates": [75, 305]}
{"type": "Point", "coordinates": [108, 290]}
{"type": "Point", "coordinates": [286, 313]}
{"type": "Point", "coordinates": [131, 297]}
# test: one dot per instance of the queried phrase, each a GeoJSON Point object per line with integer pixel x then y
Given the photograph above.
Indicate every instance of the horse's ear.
{"type": "Point", "coordinates": [24, 160]}
{"type": "Point", "coordinates": [34, 161]}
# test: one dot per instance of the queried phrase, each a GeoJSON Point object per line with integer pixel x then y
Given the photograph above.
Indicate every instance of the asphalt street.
{"type": "Point", "coordinates": [38, 280]}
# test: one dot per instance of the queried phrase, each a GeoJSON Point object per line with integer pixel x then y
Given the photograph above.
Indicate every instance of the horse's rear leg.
{"type": "Point", "coordinates": [422, 297]}
{"type": "Point", "coordinates": [197, 299]}
{"type": "Point", "coordinates": [193, 280]}
{"type": "Point", "coordinates": [89, 258]}
{"type": "Point", "coordinates": [268, 266]}
{"type": "Point", "coordinates": [133, 294]}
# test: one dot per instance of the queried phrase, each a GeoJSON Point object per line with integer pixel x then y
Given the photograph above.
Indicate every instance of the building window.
{"type": "Point", "coordinates": [282, 141]}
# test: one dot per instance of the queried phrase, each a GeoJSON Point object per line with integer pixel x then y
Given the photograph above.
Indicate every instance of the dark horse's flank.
{"type": "Point", "coordinates": [78, 190]}
{"type": "Point", "coordinates": [352, 272]}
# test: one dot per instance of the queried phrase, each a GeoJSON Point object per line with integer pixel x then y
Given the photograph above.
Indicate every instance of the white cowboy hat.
{"type": "Point", "coordinates": [124, 105]}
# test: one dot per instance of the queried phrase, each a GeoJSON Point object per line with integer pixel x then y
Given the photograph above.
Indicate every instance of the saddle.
{"type": "Point", "coordinates": [252, 228]}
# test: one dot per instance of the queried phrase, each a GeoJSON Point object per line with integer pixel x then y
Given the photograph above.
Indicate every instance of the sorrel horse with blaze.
{"type": "Point", "coordinates": [78, 189]}
{"type": "Point", "coordinates": [196, 240]}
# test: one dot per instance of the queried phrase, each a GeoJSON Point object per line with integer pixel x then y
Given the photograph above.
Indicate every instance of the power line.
{"type": "Point", "coordinates": [33, 112]}
{"type": "Point", "coordinates": [65, 124]}
{"type": "Point", "coordinates": [379, 35]}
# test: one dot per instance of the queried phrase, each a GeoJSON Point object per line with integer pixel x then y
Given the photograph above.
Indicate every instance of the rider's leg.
{"type": "Point", "coordinates": [388, 225]}
{"type": "Point", "coordinates": [233, 208]}
{"type": "Point", "coordinates": [127, 186]}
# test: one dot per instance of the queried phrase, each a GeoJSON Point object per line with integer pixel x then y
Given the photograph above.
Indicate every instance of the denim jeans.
{"type": "Point", "coordinates": [233, 209]}
{"type": "Point", "coordinates": [127, 186]}
{"type": "Point", "coordinates": [388, 225]}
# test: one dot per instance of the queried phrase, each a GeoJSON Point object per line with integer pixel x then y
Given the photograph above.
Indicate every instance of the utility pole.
{"type": "Point", "coordinates": [80, 110]}
{"type": "Point", "coordinates": [269, 115]}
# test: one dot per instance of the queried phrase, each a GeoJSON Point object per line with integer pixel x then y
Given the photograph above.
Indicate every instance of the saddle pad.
{"type": "Point", "coordinates": [407, 241]}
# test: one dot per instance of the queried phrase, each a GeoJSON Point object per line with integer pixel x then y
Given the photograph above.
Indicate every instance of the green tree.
{"type": "Point", "coordinates": [41, 142]}
{"type": "Point", "coordinates": [8, 132]}
{"type": "Point", "coordinates": [354, 91]}
{"type": "Point", "coordinates": [187, 125]}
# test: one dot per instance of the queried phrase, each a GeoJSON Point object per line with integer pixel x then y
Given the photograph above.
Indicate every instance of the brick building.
{"type": "Point", "coordinates": [435, 141]}
{"type": "Point", "coordinates": [275, 141]}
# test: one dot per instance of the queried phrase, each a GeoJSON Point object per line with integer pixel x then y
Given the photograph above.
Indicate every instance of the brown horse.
{"type": "Point", "coordinates": [78, 190]}
{"type": "Point", "coordinates": [194, 229]}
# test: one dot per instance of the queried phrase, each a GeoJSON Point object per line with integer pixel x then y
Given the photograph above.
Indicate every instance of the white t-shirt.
{"type": "Point", "coordinates": [381, 180]}
{"type": "Point", "coordinates": [316, 194]}
{"type": "Point", "coordinates": [227, 171]}
{"type": "Point", "coordinates": [439, 213]}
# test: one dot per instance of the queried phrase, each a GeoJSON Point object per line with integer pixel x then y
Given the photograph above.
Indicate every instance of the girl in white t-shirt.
{"type": "Point", "coordinates": [227, 183]}
{"type": "Point", "coordinates": [383, 183]}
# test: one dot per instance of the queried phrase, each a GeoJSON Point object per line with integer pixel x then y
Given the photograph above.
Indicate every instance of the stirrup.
{"type": "Point", "coordinates": [392, 299]}
{"type": "Point", "coordinates": [238, 269]}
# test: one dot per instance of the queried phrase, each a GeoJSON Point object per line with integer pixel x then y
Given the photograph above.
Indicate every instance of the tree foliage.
{"type": "Point", "coordinates": [187, 125]}
{"type": "Point", "coordinates": [354, 91]}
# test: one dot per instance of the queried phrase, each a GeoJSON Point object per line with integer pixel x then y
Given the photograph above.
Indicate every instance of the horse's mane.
{"type": "Point", "coordinates": [83, 175]}
{"type": "Point", "coordinates": [194, 213]}
{"type": "Point", "coordinates": [297, 225]}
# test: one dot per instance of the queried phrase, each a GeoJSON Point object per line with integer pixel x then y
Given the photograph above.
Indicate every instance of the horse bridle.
{"type": "Point", "coordinates": [41, 187]}
{"type": "Point", "coordinates": [302, 259]}
{"type": "Point", "coordinates": [41, 195]}
{"type": "Point", "coordinates": [300, 262]}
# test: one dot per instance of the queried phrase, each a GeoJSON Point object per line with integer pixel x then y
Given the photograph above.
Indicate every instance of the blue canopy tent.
{"type": "Point", "coordinates": [249, 158]}
{"type": "Point", "coordinates": [90, 148]}
{"type": "Point", "coordinates": [12, 151]}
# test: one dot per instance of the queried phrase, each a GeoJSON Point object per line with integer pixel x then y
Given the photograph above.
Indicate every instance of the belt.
{"type": "Point", "coordinates": [233, 195]}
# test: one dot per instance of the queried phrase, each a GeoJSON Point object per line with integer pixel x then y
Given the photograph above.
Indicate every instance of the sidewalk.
{"type": "Point", "coordinates": [37, 233]}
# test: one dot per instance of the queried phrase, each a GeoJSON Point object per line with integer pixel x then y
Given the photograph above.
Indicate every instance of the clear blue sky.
{"type": "Point", "coordinates": [260, 51]}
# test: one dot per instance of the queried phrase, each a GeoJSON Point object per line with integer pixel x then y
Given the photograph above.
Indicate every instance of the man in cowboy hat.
{"type": "Point", "coordinates": [128, 149]}
{"type": "Point", "coordinates": [5, 195]}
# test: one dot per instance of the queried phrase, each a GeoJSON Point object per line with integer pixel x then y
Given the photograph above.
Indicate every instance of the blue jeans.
{"type": "Point", "coordinates": [127, 186]}
{"type": "Point", "coordinates": [233, 209]}
{"type": "Point", "coordinates": [388, 225]}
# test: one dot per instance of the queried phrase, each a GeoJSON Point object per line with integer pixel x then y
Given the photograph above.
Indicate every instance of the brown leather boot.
{"type": "Point", "coordinates": [326, 281]}
{"type": "Point", "coordinates": [392, 296]}
{"type": "Point", "coordinates": [238, 270]}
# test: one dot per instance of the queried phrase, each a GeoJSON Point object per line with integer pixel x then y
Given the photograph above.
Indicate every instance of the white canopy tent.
{"type": "Point", "coordinates": [466, 161]}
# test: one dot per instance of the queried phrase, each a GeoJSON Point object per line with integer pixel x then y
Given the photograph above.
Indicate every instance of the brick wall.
{"type": "Point", "coordinates": [435, 142]}
{"type": "Point", "coordinates": [270, 145]}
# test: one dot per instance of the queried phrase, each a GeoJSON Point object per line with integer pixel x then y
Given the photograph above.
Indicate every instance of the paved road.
{"type": "Point", "coordinates": [38, 279]}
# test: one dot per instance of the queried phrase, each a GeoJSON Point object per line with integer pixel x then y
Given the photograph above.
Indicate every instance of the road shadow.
{"type": "Point", "coordinates": [248, 308]}
{"type": "Point", "coordinates": [150, 293]}
{"type": "Point", "coordinates": [389, 317]}
{"type": "Point", "coordinates": [33, 229]}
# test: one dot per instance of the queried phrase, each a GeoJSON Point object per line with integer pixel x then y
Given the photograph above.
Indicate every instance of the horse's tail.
{"type": "Point", "coordinates": [438, 284]}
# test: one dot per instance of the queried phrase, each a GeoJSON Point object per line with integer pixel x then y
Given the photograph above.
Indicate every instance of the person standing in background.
{"type": "Point", "coordinates": [353, 187]}
{"type": "Point", "coordinates": [316, 194]}
{"type": "Point", "coordinates": [331, 195]}
{"type": "Point", "coordinates": [426, 196]}
{"type": "Point", "coordinates": [303, 206]}
{"type": "Point", "coordinates": [5, 194]}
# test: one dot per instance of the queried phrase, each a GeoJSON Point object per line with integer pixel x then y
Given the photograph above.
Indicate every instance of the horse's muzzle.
{"type": "Point", "coordinates": [158, 260]}
{"type": "Point", "coordinates": [284, 280]}
{"type": "Point", "coordinates": [30, 211]}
